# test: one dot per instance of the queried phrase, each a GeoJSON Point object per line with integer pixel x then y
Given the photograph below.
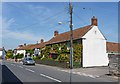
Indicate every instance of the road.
{"type": "Point", "coordinates": [18, 73]}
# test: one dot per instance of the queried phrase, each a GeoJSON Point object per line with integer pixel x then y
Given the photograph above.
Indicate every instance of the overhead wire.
{"type": "Point", "coordinates": [78, 17]}
{"type": "Point", "coordinates": [46, 19]}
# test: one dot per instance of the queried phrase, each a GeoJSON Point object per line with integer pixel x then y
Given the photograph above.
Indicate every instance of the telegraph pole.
{"type": "Point", "coordinates": [71, 40]}
{"type": "Point", "coordinates": [71, 36]}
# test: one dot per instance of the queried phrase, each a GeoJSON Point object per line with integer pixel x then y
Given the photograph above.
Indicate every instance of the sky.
{"type": "Point", "coordinates": [29, 22]}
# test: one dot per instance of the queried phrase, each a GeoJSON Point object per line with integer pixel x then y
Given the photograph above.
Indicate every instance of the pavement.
{"type": "Point", "coordinates": [94, 72]}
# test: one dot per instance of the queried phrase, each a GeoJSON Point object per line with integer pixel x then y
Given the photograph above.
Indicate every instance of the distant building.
{"type": "Point", "coordinates": [113, 48]}
{"type": "Point", "coordinates": [1, 52]}
{"type": "Point", "coordinates": [22, 48]}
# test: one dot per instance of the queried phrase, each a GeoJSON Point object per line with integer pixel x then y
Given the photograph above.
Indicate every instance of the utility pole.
{"type": "Point", "coordinates": [71, 41]}
{"type": "Point", "coordinates": [71, 36]}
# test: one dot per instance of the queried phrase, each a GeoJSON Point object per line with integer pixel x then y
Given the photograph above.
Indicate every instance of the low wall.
{"type": "Point", "coordinates": [57, 63]}
{"type": "Point", "coordinates": [114, 65]}
{"type": "Point", "coordinates": [52, 63]}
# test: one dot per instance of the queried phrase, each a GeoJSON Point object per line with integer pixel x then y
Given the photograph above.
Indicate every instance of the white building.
{"type": "Point", "coordinates": [92, 40]}
{"type": "Point", "coordinates": [1, 52]}
{"type": "Point", "coordinates": [94, 48]}
{"type": "Point", "coordinates": [20, 50]}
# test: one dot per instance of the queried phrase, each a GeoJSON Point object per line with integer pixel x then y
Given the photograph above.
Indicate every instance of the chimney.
{"type": "Point", "coordinates": [55, 33]}
{"type": "Point", "coordinates": [94, 21]}
{"type": "Point", "coordinates": [20, 46]}
{"type": "Point", "coordinates": [24, 44]}
{"type": "Point", "coordinates": [41, 41]}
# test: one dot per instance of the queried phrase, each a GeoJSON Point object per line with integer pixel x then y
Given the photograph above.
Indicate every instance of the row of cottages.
{"type": "Point", "coordinates": [94, 44]}
{"type": "Point", "coordinates": [21, 49]}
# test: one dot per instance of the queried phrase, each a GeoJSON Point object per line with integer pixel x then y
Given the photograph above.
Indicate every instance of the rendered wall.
{"type": "Point", "coordinates": [94, 49]}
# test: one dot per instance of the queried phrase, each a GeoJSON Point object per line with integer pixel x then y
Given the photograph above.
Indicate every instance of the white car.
{"type": "Point", "coordinates": [28, 61]}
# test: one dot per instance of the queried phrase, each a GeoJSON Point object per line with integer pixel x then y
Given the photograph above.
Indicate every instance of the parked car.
{"type": "Point", "coordinates": [29, 60]}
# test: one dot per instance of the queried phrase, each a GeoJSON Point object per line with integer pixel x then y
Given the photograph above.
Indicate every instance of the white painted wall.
{"type": "Point", "coordinates": [94, 49]}
{"type": "Point", "coordinates": [0, 53]}
{"type": "Point", "coordinates": [21, 52]}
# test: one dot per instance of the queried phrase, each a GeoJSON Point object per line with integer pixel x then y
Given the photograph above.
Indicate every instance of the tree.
{"type": "Point", "coordinates": [9, 54]}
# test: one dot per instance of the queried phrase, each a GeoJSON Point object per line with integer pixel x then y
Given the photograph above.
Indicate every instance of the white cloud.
{"type": "Point", "coordinates": [8, 33]}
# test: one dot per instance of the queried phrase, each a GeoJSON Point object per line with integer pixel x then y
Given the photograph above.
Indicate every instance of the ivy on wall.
{"type": "Point", "coordinates": [63, 52]}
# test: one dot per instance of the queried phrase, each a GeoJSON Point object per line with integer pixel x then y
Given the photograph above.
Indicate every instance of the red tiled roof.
{"type": "Point", "coordinates": [32, 46]}
{"type": "Point", "coordinates": [1, 49]}
{"type": "Point", "coordinates": [39, 45]}
{"type": "Point", "coordinates": [113, 47]}
{"type": "Point", "coordinates": [77, 33]}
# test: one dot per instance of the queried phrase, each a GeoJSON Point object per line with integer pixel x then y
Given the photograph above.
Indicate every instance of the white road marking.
{"type": "Point", "coordinates": [83, 74]}
{"type": "Point", "coordinates": [30, 70]}
{"type": "Point", "coordinates": [20, 66]}
{"type": "Point", "coordinates": [13, 64]}
{"type": "Point", "coordinates": [50, 78]}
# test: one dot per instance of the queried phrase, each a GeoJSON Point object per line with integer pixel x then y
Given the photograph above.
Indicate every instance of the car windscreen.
{"type": "Point", "coordinates": [29, 58]}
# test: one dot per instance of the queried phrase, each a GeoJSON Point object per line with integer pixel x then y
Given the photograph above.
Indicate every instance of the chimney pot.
{"type": "Point", "coordinates": [41, 41]}
{"type": "Point", "coordinates": [55, 33]}
{"type": "Point", "coordinates": [20, 46]}
{"type": "Point", "coordinates": [24, 44]}
{"type": "Point", "coordinates": [94, 21]}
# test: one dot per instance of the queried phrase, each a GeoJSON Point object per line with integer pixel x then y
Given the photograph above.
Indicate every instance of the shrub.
{"type": "Point", "coordinates": [31, 51]}
{"type": "Point", "coordinates": [9, 55]}
{"type": "Point", "coordinates": [19, 56]}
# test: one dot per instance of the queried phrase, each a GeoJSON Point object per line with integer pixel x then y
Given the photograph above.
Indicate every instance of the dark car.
{"type": "Point", "coordinates": [28, 61]}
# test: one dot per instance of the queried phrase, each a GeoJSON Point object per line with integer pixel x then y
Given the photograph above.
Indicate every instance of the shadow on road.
{"type": "Point", "coordinates": [9, 77]}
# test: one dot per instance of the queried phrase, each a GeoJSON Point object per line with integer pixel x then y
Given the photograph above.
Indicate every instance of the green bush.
{"type": "Point", "coordinates": [19, 56]}
{"type": "Point", "coordinates": [9, 54]}
{"type": "Point", "coordinates": [31, 51]}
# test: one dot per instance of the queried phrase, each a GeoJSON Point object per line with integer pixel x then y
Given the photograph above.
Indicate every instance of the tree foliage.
{"type": "Point", "coordinates": [9, 54]}
{"type": "Point", "coordinates": [31, 51]}
{"type": "Point", "coordinates": [19, 56]}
